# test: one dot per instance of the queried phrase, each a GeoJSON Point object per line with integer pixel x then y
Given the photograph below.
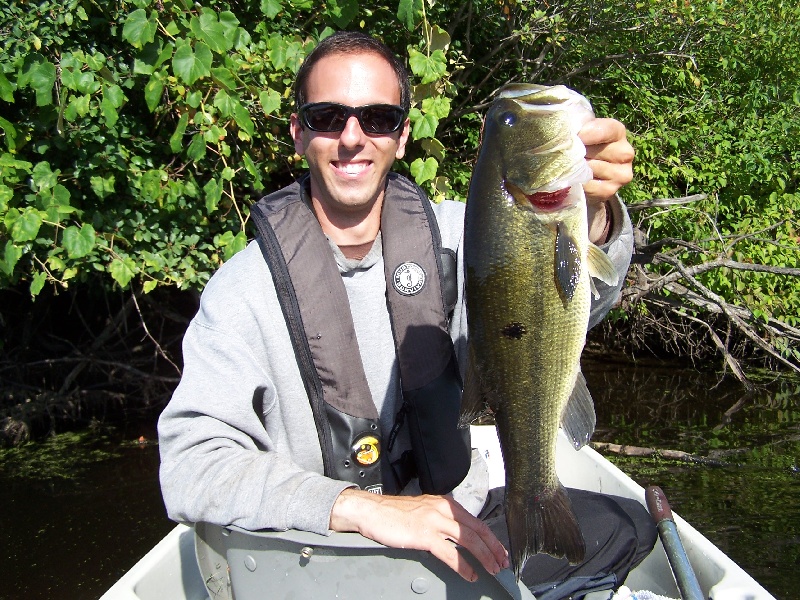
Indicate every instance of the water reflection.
{"type": "Point", "coordinates": [750, 506]}
{"type": "Point", "coordinates": [74, 538]}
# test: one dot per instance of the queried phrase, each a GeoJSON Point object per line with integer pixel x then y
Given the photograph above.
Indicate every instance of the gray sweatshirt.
{"type": "Point", "coordinates": [238, 441]}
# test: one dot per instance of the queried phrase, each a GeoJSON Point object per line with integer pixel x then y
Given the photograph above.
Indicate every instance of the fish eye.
{"type": "Point", "coordinates": [508, 118]}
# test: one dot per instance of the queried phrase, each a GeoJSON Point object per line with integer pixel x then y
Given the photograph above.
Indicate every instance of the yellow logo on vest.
{"type": "Point", "coordinates": [366, 450]}
{"type": "Point", "coordinates": [408, 278]}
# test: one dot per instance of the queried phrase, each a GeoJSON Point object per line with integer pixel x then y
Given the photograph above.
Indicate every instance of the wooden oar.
{"type": "Point", "coordinates": [659, 508]}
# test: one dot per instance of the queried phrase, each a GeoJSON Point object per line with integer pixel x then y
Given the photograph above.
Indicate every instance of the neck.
{"type": "Point", "coordinates": [346, 228]}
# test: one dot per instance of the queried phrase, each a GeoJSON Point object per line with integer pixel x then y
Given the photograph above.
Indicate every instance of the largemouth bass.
{"type": "Point", "coordinates": [529, 265]}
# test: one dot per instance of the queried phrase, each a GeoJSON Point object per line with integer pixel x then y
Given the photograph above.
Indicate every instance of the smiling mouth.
{"type": "Point", "coordinates": [351, 168]}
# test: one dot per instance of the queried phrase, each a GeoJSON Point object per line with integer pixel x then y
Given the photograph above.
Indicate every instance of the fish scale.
{"type": "Point", "coordinates": [528, 296]}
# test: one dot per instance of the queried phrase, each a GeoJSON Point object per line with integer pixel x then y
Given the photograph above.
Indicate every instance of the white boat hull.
{"type": "Point", "coordinates": [170, 571]}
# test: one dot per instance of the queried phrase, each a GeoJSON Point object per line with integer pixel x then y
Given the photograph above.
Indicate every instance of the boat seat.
{"type": "Point", "coordinates": [298, 564]}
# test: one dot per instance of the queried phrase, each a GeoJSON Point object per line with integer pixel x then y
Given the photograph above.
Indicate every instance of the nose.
{"type": "Point", "coordinates": [352, 134]}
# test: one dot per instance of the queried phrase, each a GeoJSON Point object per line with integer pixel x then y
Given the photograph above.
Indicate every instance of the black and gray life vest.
{"type": "Point", "coordinates": [421, 293]}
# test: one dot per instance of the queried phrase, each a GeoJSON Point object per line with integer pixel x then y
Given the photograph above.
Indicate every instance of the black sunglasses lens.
{"type": "Point", "coordinates": [381, 119]}
{"type": "Point", "coordinates": [326, 117]}
{"type": "Point", "coordinates": [376, 119]}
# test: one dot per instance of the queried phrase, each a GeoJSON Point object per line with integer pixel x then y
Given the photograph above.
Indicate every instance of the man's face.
{"type": "Point", "coordinates": [348, 168]}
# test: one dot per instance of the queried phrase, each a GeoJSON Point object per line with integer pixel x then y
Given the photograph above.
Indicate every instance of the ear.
{"type": "Point", "coordinates": [296, 129]}
{"type": "Point", "coordinates": [403, 139]}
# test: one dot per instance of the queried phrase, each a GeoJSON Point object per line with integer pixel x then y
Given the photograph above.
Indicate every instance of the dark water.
{"type": "Point", "coordinates": [73, 538]}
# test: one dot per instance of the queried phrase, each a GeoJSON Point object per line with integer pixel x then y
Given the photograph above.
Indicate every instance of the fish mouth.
{"type": "Point", "coordinates": [542, 201]}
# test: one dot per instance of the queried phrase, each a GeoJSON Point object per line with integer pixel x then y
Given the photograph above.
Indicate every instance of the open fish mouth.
{"type": "Point", "coordinates": [540, 200]}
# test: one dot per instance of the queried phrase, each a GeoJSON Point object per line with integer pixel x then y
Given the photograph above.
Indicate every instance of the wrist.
{"type": "Point", "coordinates": [601, 222]}
{"type": "Point", "coordinates": [344, 514]}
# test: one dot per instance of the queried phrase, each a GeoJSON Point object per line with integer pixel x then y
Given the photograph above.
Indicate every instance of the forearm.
{"type": "Point", "coordinates": [619, 248]}
{"type": "Point", "coordinates": [231, 453]}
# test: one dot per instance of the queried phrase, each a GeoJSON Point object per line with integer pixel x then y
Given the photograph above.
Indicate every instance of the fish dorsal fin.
{"type": "Point", "coordinates": [601, 267]}
{"type": "Point", "coordinates": [578, 418]}
{"type": "Point", "coordinates": [568, 262]}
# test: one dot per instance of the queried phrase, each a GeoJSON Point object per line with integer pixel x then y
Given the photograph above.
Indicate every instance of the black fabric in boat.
{"type": "Point", "coordinates": [619, 533]}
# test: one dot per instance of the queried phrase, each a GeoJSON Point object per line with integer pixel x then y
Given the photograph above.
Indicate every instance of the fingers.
{"type": "Point", "coordinates": [609, 155]}
{"type": "Point", "coordinates": [598, 133]}
{"type": "Point", "coordinates": [608, 179]}
{"type": "Point", "coordinates": [433, 523]}
{"type": "Point", "coordinates": [475, 536]}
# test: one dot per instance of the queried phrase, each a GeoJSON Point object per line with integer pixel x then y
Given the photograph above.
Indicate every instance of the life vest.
{"type": "Point", "coordinates": [421, 293]}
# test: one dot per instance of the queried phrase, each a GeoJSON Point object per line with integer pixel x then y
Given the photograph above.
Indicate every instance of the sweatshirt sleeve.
{"type": "Point", "coordinates": [619, 248]}
{"type": "Point", "coordinates": [232, 451]}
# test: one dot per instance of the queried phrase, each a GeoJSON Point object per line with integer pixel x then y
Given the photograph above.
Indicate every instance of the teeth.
{"type": "Point", "coordinates": [351, 168]}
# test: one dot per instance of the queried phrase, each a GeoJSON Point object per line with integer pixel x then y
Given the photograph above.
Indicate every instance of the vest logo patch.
{"type": "Point", "coordinates": [366, 450]}
{"type": "Point", "coordinates": [408, 278]}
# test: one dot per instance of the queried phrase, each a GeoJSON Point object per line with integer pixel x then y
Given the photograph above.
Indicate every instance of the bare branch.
{"type": "Point", "coordinates": [667, 202]}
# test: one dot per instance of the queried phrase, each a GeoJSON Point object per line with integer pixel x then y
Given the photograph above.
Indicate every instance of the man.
{"type": "Point", "coordinates": [241, 441]}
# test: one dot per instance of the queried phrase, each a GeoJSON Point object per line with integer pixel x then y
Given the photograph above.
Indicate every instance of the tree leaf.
{"type": "Point", "coordinates": [242, 117]}
{"type": "Point", "coordinates": [10, 134]}
{"type": "Point", "coordinates": [138, 29]}
{"type": "Point", "coordinates": [37, 283]}
{"type": "Point", "coordinates": [342, 12]}
{"type": "Point", "coordinates": [11, 256]}
{"type": "Point", "coordinates": [213, 192]}
{"type": "Point", "coordinates": [26, 227]}
{"type": "Point", "coordinates": [225, 103]}
{"type": "Point", "coordinates": [427, 68]}
{"type": "Point", "coordinates": [6, 89]}
{"type": "Point", "coordinates": [423, 171]}
{"type": "Point", "coordinates": [43, 177]}
{"type": "Point", "coordinates": [218, 35]}
{"type": "Point", "coordinates": [192, 64]}
{"type": "Point", "coordinates": [270, 101]}
{"type": "Point", "coordinates": [102, 185]}
{"type": "Point", "coordinates": [224, 77]}
{"type": "Point", "coordinates": [79, 242]}
{"type": "Point", "coordinates": [409, 12]}
{"type": "Point", "coordinates": [40, 75]}
{"type": "Point", "coordinates": [271, 8]}
{"type": "Point", "coordinates": [438, 106]}
{"type": "Point", "coordinates": [114, 95]}
{"type": "Point", "coordinates": [425, 127]}
{"type": "Point", "coordinates": [197, 148]}
{"type": "Point", "coordinates": [152, 91]}
{"type": "Point", "coordinates": [176, 139]}
{"type": "Point", "coordinates": [238, 244]}
{"type": "Point", "coordinates": [122, 270]}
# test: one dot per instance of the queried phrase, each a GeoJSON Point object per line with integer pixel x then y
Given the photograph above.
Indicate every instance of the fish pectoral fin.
{"type": "Point", "coordinates": [568, 262]}
{"type": "Point", "coordinates": [578, 418]}
{"type": "Point", "coordinates": [473, 403]}
{"type": "Point", "coordinates": [601, 267]}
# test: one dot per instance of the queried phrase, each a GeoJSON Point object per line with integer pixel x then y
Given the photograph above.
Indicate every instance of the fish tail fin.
{"type": "Point", "coordinates": [545, 524]}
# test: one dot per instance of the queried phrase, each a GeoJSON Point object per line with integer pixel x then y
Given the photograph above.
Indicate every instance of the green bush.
{"type": "Point", "coordinates": [135, 134]}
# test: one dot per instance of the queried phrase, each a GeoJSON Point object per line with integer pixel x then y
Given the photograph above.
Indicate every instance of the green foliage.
{"type": "Point", "coordinates": [136, 134]}
{"type": "Point", "coordinates": [60, 456]}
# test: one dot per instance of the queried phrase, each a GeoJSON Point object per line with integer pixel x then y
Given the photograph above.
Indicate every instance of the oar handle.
{"type": "Point", "coordinates": [657, 504]}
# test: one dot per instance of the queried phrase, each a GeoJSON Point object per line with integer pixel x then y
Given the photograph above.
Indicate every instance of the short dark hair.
{"type": "Point", "coordinates": [351, 42]}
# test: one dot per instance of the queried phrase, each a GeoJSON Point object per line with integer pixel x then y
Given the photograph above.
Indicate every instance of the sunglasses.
{"type": "Point", "coordinates": [377, 119]}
